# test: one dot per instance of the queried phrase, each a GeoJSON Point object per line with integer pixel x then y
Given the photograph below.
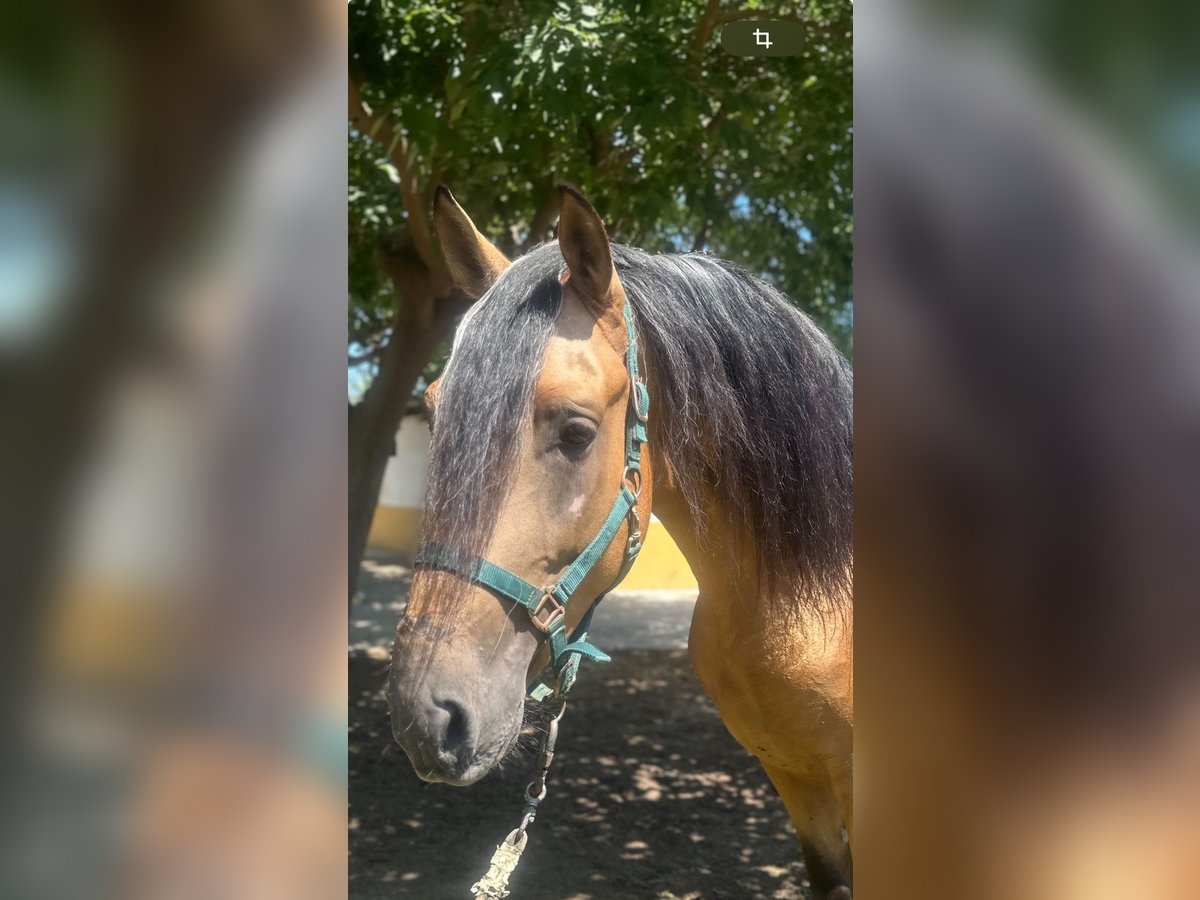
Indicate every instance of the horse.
{"type": "Point", "coordinates": [748, 465]}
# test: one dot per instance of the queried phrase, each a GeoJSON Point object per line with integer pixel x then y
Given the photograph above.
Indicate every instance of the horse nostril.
{"type": "Point", "coordinates": [456, 733]}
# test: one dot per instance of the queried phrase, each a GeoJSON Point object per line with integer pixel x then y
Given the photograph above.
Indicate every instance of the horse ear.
{"type": "Point", "coordinates": [474, 263]}
{"type": "Point", "coordinates": [584, 245]}
{"type": "Point", "coordinates": [430, 396]}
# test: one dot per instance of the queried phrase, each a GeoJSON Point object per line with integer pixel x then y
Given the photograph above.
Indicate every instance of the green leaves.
{"type": "Point", "coordinates": [500, 101]}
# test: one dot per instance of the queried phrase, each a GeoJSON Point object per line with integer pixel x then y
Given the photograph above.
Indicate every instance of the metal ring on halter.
{"type": "Point", "coordinates": [532, 800]}
{"type": "Point", "coordinates": [556, 718]}
{"type": "Point", "coordinates": [625, 479]}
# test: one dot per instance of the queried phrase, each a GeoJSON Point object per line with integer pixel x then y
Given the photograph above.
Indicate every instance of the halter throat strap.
{"type": "Point", "coordinates": [547, 606]}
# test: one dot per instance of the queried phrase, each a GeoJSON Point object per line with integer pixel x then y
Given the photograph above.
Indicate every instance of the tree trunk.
{"type": "Point", "coordinates": [371, 435]}
{"type": "Point", "coordinates": [373, 422]}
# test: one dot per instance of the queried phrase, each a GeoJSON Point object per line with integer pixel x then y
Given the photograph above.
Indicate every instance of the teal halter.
{"type": "Point", "coordinates": [547, 606]}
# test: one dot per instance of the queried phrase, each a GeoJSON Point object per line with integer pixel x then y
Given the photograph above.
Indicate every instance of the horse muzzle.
{"type": "Point", "coordinates": [455, 729]}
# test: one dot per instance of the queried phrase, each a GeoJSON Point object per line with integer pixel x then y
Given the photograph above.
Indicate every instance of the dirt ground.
{"type": "Point", "coordinates": [649, 798]}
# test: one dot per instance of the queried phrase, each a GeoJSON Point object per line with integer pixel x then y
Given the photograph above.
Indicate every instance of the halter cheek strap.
{"type": "Point", "coordinates": [547, 606]}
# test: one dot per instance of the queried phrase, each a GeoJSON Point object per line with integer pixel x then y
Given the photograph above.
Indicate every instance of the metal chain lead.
{"type": "Point", "coordinates": [494, 884]}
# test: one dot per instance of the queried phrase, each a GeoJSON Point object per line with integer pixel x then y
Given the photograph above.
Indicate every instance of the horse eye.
{"type": "Point", "coordinates": [577, 433]}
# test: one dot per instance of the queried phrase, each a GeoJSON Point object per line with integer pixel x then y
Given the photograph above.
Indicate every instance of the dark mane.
{"type": "Point", "coordinates": [750, 402]}
{"type": "Point", "coordinates": [484, 399]}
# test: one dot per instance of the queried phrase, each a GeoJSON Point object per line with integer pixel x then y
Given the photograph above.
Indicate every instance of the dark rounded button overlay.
{"type": "Point", "coordinates": [763, 37]}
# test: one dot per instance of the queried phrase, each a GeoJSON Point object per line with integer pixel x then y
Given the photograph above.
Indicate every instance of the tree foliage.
{"type": "Point", "coordinates": [678, 144]}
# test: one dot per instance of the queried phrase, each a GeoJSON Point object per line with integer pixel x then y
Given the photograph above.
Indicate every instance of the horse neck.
{"type": "Point", "coordinates": [724, 564]}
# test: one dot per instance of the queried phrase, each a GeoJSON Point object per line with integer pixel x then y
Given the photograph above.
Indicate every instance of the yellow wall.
{"type": "Point", "coordinates": [659, 565]}
{"type": "Point", "coordinates": [396, 530]}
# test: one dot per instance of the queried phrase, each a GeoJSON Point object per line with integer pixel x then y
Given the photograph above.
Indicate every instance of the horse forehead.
{"type": "Point", "coordinates": [573, 367]}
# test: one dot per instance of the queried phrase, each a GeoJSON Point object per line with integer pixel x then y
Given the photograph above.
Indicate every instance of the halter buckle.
{"type": "Point", "coordinates": [635, 544]}
{"type": "Point", "coordinates": [632, 476]}
{"type": "Point", "coordinates": [548, 600]}
{"type": "Point", "coordinates": [636, 386]}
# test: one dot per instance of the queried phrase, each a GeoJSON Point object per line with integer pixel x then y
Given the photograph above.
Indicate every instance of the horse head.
{"type": "Point", "coordinates": [531, 442]}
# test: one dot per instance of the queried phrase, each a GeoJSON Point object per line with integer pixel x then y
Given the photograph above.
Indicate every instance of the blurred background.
{"type": "Point", "coordinates": [1027, 471]}
{"type": "Point", "coordinates": [172, 258]}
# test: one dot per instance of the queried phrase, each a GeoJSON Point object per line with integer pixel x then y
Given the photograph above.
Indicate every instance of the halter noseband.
{"type": "Point", "coordinates": [547, 606]}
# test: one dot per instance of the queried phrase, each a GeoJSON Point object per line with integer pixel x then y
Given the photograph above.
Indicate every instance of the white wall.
{"type": "Point", "coordinates": [404, 478]}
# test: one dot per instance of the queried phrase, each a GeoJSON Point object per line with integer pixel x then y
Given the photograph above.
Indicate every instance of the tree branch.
{"type": "Point", "coordinates": [384, 133]}
{"type": "Point", "coordinates": [708, 22]}
{"type": "Point", "coordinates": [542, 220]}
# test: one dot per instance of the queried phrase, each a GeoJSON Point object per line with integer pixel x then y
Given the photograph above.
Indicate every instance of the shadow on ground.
{"type": "Point", "coordinates": [649, 798]}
